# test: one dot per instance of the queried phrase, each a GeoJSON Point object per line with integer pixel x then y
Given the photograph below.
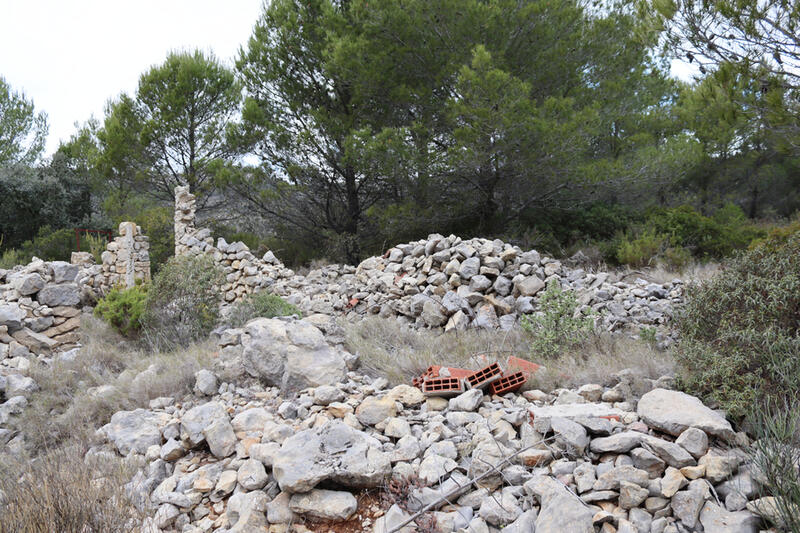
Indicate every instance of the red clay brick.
{"type": "Point", "coordinates": [483, 377]}
{"type": "Point", "coordinates": [443, 387]}
{"type": "Point", "coordinates": [516, 364]}
{"type": "Point", "coordinates": [508, 383]}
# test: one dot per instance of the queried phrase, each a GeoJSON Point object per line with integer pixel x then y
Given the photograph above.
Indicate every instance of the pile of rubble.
{"type": "Point", "coordinates": [458, 284]}
{"type": "Point", "coordinates": [633, 456]}
{"type": "Point", "coordinates": [435, 282]}
{"type": "Point", "coordinates": [40, 308]}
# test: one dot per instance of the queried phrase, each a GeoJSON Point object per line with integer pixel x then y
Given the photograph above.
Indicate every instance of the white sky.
{"type": "Point", "coordinates": [71, 56]}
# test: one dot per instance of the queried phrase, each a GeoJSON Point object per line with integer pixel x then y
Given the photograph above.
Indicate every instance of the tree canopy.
{"type": "Point", "coordinates": [23, 131]}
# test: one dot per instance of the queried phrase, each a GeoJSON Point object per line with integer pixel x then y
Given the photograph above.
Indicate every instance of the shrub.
{"type": "Point", "coordinates": [640, 250]}
{"type": "Point", "coordinates": [49, 244]}
{"type": "Point", "coordinates": [123, 308]}
{"type": "Point", "coordinates": [261, 304]}
{"type": "Point", "coordinates": [717, 236]}
{"type": "Point", "coordinates": [11, 258]}
{"type": "Point", "coordinates": [741, 329]}
{"type": "Point", "coordinates": [676, 258]}
{"type": "Point", "coordinates": [183, 301]}
{"type": "Point", "coordinates": [557, 325]}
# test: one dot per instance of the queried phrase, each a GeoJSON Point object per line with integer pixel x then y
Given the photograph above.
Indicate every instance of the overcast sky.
{"type": "Point", "coordinates": [71, 56]}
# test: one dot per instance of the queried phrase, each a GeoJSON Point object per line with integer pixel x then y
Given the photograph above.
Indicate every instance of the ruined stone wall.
{"type": "Point", "coordinates": [244, 272]}
{"type": "Point", "coordinates": [125, 261]}
{"type": "Point", "coordinates": [41, 302]}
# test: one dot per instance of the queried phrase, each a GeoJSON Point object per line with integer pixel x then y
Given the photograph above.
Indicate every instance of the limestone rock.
{"type": "Point", "coordinates": [135, 430]}
{"type": "Point", "coordinates": [334, 452]}
{"type": "Point", "coordinates": [324, 504]}
{"type": "Point", "coordinates": [560, 510]}
{"type": "Point", "coordinates": [673, 412]}
{"type": "Point", "coordinates": [291, 355]}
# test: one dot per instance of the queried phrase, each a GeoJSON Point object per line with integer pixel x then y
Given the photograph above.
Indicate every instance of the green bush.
{"type": "Point", "coordinates": [676, 258]}
{"type": "Point", "coordinates": [261, 304]}
{"type": "Point", "coordinates": [123, 308]}
{"type": "Point", "coordinates": [183, 302]}
{"type": "Point", "coordinates": [727, 231]}
{"type": "Point", "coordinates": [556, 326]}
{"type": "Point", "coordinates": [741, 330]}
{"type": "Point", "coordinates": [49, 244]}
{"type": "Point", "coordinates": [641, 250]}
{"type": "Point", "coordinates": [11, 258]}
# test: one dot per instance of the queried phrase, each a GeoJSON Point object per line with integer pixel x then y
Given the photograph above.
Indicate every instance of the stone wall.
{"type": "Point", "coordinates": [244, 272]}
{"type": "Point", "coordinates": [40, 308]}
{"type": "Point", "coordinates": [41, 302]}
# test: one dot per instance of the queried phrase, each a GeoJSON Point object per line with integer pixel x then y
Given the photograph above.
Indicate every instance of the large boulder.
{"type": "Point", "coordinates": [64, 271]}
{"type": "Point", "coordinates": [290, 354]}
{"type": "Point", "coordinates": [26, 283]}
{"type": "Point", "coordinates": [12, 316]}
{"type": "Point", "coordinates": [560, 509]}
{"type": "Point", "coordinates": [195, 421]}
{"type": "Point", "coordinates": [674, 412]}
{"type": "Point", "coordinates": [135, 430]}
{"type": "Point", "coordinates": [334, 452]}
{"type": "Point", "coordinates": [54, 295]}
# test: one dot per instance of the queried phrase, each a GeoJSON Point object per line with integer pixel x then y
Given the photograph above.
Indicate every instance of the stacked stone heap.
{"type": "Point", "coordinates": [40, 307]}
{"type": "Point", "coordinates": [633, 456]}
{"type": "Point", "coordinates": [457, 284]}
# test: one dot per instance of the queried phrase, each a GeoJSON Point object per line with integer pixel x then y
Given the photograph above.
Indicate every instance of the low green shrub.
{"type": "Point", "coordinates": [740, 331]}
{"type": "Point", "coordinates": [183, 302]}
{"type": "Point", "coordinates": [11, 258]}
{"type": "Point", "coordinates": [676, 258]}
{"type": "Point", "coordinates": [641, 250]}
{"type": "Point", "coordinates": [123, 308]}
{"type": "Point", "coordinates": [260, 305]}
{"type": "Point", "coordinates": [557, 326]}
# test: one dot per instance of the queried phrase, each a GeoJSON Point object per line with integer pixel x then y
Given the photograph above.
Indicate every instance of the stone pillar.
{"type": "Point", "coordinates": [184, 218]}
{"type": "Point", "coordinates": [126, 254]}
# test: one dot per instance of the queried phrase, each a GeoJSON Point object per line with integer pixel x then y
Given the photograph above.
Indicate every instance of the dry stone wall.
{"type": "Point", "coordinates": [244, 272]}
{"type": "Point", "coordinates": [41, 302]}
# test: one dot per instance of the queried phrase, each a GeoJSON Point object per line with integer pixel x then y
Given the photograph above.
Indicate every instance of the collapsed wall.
{"type": "Point", "coordinates": [41, 302]}
{"type": "Point", "coordinates": [244, 272]}
{"type": "Point", "coordinates": [440, 281]}
{"type": "Point", "coordinates": [458, 284]}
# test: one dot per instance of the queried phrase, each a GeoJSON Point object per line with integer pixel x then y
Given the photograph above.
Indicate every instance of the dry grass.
{"type": "Point", "coordinates": [391, 349]}
{"type": "Point", "coordinates": [76, 397]}
{"type": "Point", "coordinates": [60, 491]}
{"type": "Point", "coordinates": [660, 273]}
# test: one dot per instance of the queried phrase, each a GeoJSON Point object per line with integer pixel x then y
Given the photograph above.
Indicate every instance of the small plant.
{"type": "Point", "coordinates": [648, 335]}
{"type": "Point", "coordinates": [558, 324]}
{"type": "Point", "coordinates": [183, 301]}
{"type": "Point", "coordinates": [676, 258]}
{"type": "Point", "coordinates": [124, 308]}
{"type": "Point", "coordinates": [776, 457]}
{"type": "Point", "coordinates": [400, 492]}
{"type": "Point", "coordinates": [260, 305]}
{"type": "Point", "coordinates": [97, 245]}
